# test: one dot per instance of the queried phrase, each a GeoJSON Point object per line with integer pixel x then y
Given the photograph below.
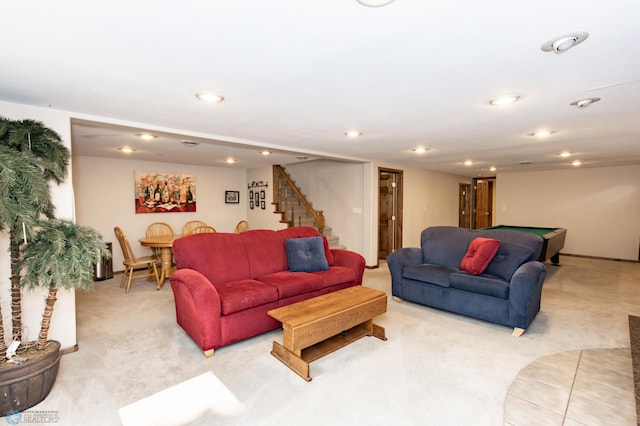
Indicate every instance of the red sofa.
{"type": "Point", "coordinates": [225, 283]}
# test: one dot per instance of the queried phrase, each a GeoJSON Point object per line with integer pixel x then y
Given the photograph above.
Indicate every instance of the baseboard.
{"type": "Point", "coordinates": [70, 350]}
{"type": "Point", "coordinates": [599, 257]}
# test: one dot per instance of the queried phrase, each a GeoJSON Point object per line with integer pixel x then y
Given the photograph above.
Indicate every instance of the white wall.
{"type": "Point", "coordinates": [63, 323]}
{"type": "Point", "coordinates": [258, 218]}
{"type": "Point", "coordinates": [430, 199]}
{"type": "Point", "coordinates": [105, 198]}
{"type": "Point", "coordinates": [340, 189]}
{"type": "Point", "coordinates": [337, 189]}
{"type": "Point", "coordinates": [599, 207]}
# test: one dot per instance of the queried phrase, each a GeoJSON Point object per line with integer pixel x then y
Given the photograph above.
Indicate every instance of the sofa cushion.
{"type": "Point", "coordinates": [445, 245]}
{"type": "Point", "coordinates": [265, 251]}
{"type": "Point", "coordinates": [220, 257]}
{"type": "Point", "coordinates": [335, 275]}
{"type": "Point", "coordinates": [307, 231]}
{"type": "Point", "coordinates": [236, 296]}
{"type": "Point", "coordinates": [328, 252]}
{"type": "Point", "coordinates": [480, 252]}
{"type": "Point", "coordinates": [482, 284]}
{"type": "Point", "coordinates": [509, 258]}
{"type": "Point", "coordinates": [534, 242]}
{"type": "Point", "coordinates": [292, 283]}
{"type": "Point", "coordinates": [306, 254]}
{"type": "Point", "coordinates": [427, 273]}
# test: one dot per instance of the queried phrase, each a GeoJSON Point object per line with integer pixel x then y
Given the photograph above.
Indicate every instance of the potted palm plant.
{"type": "Point", "coordinates": [45, 252]}
{"type": "Point", "coordinates": [45, 152]}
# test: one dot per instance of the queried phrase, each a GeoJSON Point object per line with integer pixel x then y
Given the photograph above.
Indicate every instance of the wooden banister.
{"type": "Point", "coordinates": [318, 217]}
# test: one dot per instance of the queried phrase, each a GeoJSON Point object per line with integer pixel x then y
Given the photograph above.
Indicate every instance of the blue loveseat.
{"type": "Point", "coordinates": [508, 292]}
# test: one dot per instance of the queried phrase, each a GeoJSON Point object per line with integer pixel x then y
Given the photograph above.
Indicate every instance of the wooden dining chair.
{"type": "Point", "coordinates": [131, 261]}
{"type": "Point", "coordinates": [187, 227]}
{"type": "Point", "coordinates": [242, 226]}
{"type": "Point", "coordinates": [202, 230]}
{"type": "Point", "coordinates": [158, 229]}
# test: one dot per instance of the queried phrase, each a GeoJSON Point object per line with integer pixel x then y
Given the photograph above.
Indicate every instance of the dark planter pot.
{"type": "Point", "coordinates": [25, 385]}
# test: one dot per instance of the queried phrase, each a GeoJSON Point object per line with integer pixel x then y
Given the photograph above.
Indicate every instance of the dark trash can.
{"type": "Point", "coordinates": [104, 268]}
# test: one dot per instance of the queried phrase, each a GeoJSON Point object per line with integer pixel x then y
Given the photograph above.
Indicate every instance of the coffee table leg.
{"type": "Point", "coordinates": [291, 360]}
{"type": "Point", "coordinates": [377, 331]}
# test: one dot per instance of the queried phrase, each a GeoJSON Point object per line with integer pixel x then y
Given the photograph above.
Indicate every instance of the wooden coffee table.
{"type": "Point", "coordinates": [315, 327]}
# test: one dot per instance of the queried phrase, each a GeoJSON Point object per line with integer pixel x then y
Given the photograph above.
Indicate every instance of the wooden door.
{"type": "Point", "coordinates": [385, 215]}
{"type": "Point", "coordinates": [483, 203]}
{"type": "Point", "coordinates": [464, 205]}
{"type": "Point", "coordinates": [389, 211]}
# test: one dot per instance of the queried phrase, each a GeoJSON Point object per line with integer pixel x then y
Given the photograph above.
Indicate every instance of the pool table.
{"type": "Point", "coordinates": [553, 240]}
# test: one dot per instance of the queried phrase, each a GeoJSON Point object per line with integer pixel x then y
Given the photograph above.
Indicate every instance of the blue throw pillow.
{"type": "Point", "coordinates": [306, 254]}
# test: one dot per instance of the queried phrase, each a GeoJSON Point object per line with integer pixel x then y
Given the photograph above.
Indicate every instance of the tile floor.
{"type": "Point", "coordinates": [589, 387]}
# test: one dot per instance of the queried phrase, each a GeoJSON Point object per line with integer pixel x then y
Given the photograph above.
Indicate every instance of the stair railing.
{"type": "Point", "coordinates": [318, 216]}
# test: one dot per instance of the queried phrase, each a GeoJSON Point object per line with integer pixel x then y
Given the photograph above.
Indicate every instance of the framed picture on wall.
{"type": "Point", "coordinates": [232, 197]}
{"type": "Point", "coordinates": [161, 192]}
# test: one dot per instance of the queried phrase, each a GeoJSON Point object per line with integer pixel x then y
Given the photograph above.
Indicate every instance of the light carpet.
{"type": "Point", "coordinates": [436, 368]}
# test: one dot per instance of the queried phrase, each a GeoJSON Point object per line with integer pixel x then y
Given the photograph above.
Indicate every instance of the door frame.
{"type": "Point", "coordinates": [397, 224]}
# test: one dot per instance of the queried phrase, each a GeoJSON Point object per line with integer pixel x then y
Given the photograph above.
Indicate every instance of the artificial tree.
{"type": "Point", "coordinates": [44, 149]}
{"type": "Point", "coordinates": [62, 255]}
{"type": "Point", "coordinates": [24, 195]}
{"type": "Point", "coordinates": [52, 253]}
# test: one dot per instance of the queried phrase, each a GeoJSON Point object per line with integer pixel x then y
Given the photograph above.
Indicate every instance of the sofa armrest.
{"type": "Point", "coordinates": [198, 307]}
{"type": "Point", "coordinates": [525, 293]}
{"type": "Point", "coordinates": [349, 259]}
{"type": "Point", "coordinates": [397, 261]}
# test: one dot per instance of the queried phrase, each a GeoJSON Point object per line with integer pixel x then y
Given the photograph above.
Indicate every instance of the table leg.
{"type": "Point", "coordinates": [166, 258]}
{"type": "Point", "coordinates": [291, 360]}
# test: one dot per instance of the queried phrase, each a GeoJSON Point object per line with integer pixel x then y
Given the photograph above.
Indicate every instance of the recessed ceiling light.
{"type": "Point", "coordinates": [420, 150]}
{"type": "Point", "coordinates": [190, 144]}
{"type": "Point", "coordinates": [504, 100]}
{"type": "Point", "coordinates": [576, 163]}
{"type": "Point", "coordinates": [265, 152]}
{"type": "Point", "coordinates": [525, 163]}
{"type": "Point", "coordinates": [374, 3]}
{"type": "Point", "coordinates": [353, 133]}
{"type": "Point", "coordinates": [583, 103]}
{"type": "Point", "coordinates": [146, 136]}
{"type": "Point", "coordinates": [209, 97]}
{"type": "Point", "coordinates": [126, 150]}
{"type": "Point", "coordinates": [565, 42]}
{"type": "Point", "coordinates": [565, 154]}
{"type": "Point", "coordinates": [469, 163]}
{"type": "Point", "coordinates": [492, 169]}
{"type": "Point", "coordinates": [230, 160]}
{"type": "Point", "coordinates": [541, 133]}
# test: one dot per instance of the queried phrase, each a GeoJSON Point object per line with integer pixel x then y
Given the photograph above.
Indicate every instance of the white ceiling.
{"type": "Point", "coordinates": [297, 74]}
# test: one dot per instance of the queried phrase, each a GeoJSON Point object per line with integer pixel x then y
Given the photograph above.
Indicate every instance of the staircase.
{"type": "Point", "coordinates": [333, 240]}
{"type": "Point", "coordinates": [294, 208]}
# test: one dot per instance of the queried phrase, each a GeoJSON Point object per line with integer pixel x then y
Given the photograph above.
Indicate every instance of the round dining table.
{"type": "Point", "coordinates": [165, 244]}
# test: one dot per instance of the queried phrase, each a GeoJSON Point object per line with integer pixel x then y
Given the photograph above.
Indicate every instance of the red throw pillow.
{"type": "Point", "coordinates": [479, 254]}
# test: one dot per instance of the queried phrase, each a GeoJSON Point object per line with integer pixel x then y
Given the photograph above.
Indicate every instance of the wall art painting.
{"type": "Point", "coordinates": [232, 197]}
{"type": "Point", "coordinates": [158, 192]}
